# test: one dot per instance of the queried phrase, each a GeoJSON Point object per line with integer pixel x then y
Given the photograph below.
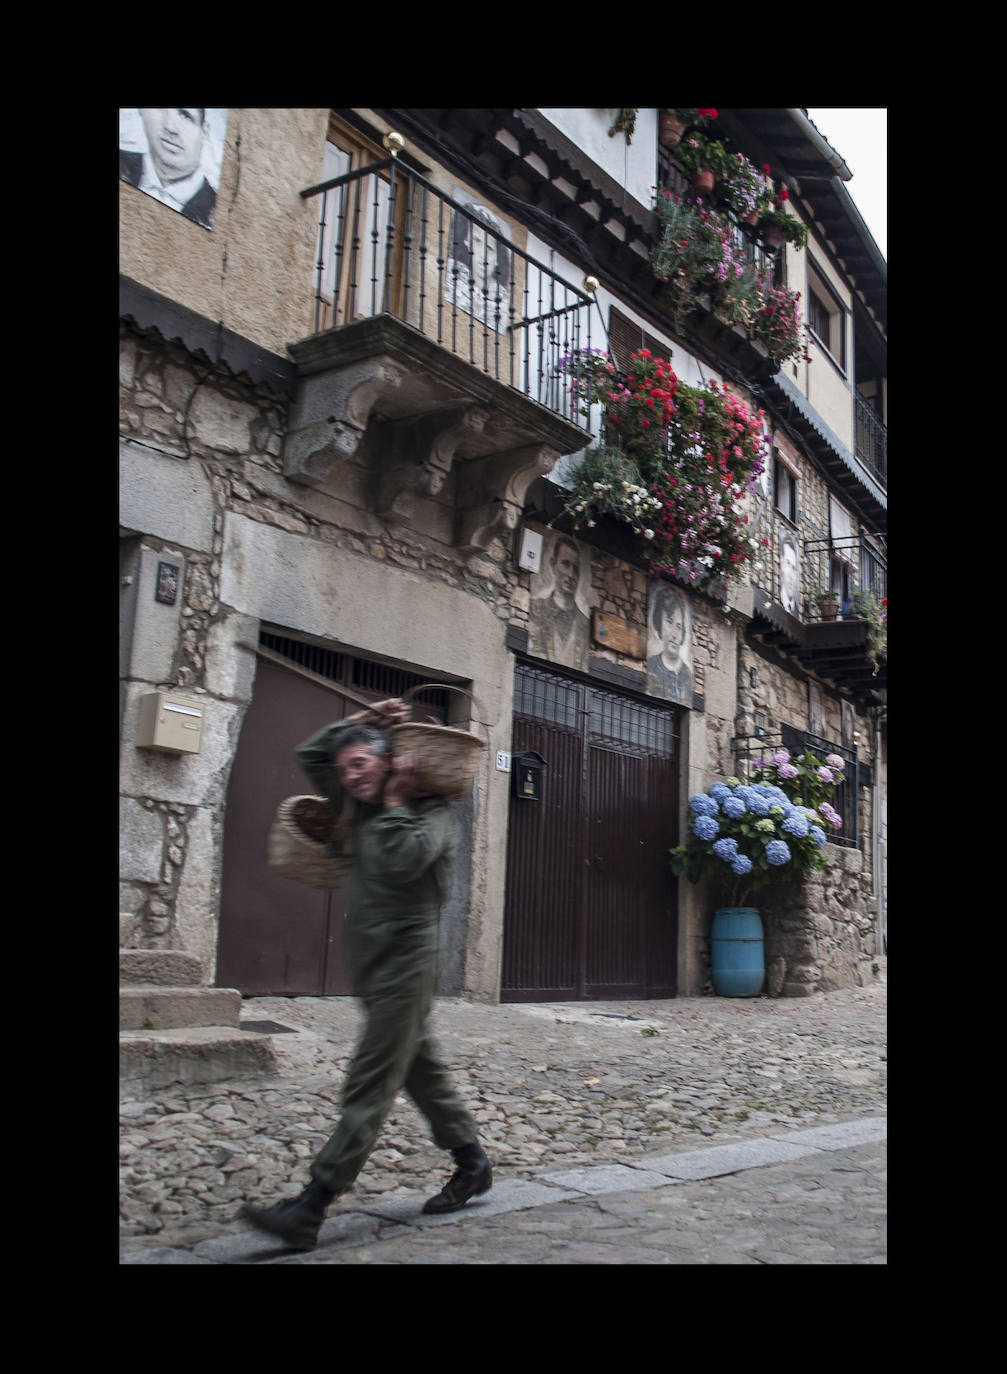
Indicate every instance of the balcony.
{"type": "Point", "coordinates": [872, 443]}
{"type": "Point", "coordinates": [825, 630]}
{"type": "Point", "coordinates": [442, 339]}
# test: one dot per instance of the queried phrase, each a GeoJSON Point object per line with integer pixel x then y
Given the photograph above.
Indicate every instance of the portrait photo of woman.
{"type": "Point", "coordinates": [669, 644]}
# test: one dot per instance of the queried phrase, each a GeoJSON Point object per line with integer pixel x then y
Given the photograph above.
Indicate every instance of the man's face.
{"type": "Point", "coordinates": [673, 630]}
{"type": "Point", "coordinates": [362, 772]}
{"type": "Point", "coordinates": [176, 141]}
{"type": "Point", "coordinates": [567, 566]}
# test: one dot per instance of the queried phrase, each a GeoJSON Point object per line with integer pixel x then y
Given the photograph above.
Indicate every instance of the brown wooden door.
{"type": "Point", "coordinates": [591, 906]}
{"type": "Point", "coordinates": [277, 937]}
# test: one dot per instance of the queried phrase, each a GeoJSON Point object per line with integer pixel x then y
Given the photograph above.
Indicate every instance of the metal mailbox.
{"type": "Point", "coordinates": [526, 773]}
{"type": "Point", "coordinates": [170, 723]}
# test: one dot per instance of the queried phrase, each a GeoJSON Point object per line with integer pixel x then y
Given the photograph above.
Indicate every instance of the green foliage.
{"type": "Point", "coordinates": [868, 607]}
{"type": "Point", "coordinates": [696, 153]}
{"type": "Point", "coordinates": [790, 226]}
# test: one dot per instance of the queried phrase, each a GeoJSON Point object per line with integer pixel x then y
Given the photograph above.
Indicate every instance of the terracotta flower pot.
{"type": "Point", "coordinates": [671, 129]}
{"type": "Point", "coordinates": [703, 180]}
{"type": "Point", "coordinates": [772, 235]}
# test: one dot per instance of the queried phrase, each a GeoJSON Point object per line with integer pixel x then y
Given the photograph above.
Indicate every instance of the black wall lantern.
{"type": "Point", "coordinates": [526, 772]}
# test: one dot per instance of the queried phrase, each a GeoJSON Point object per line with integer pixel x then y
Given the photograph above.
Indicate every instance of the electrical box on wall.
{"type": "Point", "coordinates": [529, 550]}
{"type": "Point", "coordinates": [170, 723]}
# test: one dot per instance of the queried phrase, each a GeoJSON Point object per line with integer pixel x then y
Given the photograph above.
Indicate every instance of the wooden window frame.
{"type": "Point", "coordinates": [361, 151]}
{"type": "Point", "coordinates": [619, 326]}
{"type": "Point", "coordinates": [831, 307]}
{"type": "Point", "coordinates": [781, 465]}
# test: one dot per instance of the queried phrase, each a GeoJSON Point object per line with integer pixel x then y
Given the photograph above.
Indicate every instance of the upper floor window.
{"type": "Point", "coordinates": [826, 318]}
{"type": "Point", "coordinates": [354, 225]}
{"type": "Point", "coordinates": [784, 488]}
{"type": "Point", "coordinates": [626, 338]}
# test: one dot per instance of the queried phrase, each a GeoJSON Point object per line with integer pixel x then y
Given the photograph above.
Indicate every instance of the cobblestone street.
{"type": "Point", "coordinates": [554, 1087]}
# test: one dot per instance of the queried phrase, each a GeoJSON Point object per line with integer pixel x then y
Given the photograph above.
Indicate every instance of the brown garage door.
{"type": "Point", "coordinates": [591, 907]}
{"type": "Point", "coordinates": [281, 938]}
{"type": "Point", "coordinates": [277, 938]}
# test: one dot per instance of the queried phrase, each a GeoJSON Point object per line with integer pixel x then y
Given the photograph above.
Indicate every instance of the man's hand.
{"type": "Point", "coordinates": [403, 780]}
{"type": "Point", "coordinates": [389, 713]}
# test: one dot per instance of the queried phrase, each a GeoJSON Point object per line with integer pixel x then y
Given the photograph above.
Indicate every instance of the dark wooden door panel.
{"type": "Point", "coordinates": [591, 905]}
{"type": "Point", "coordinates": [277, 937]}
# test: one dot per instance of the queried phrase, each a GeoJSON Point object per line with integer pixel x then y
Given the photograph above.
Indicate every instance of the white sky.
{"type": "Point", "coordinates": [860, 136]}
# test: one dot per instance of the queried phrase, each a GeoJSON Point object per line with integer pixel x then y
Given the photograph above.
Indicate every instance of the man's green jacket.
{"type": "Point", "coordinates": [401, 861]}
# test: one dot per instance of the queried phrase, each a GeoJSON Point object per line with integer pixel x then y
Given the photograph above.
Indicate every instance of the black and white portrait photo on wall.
{"type": "Point", "coordinates": [175, 157]}
{"type": "Point", "coordinates": [816, 708]}
{"type": "Point", "coordinates": [761, 486]}
{"type": "Point", "coordinates": [790, 572]}
{"type": "Point", "coordinates": [849, 724]}
{"type": "Point", "coordinates": [669, 643]}
{"type": "Point", "coordinates": [481, 264]}
{"type": "Point", "coordinates": [559, 616]}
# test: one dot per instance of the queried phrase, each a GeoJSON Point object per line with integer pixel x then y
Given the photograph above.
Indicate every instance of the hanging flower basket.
{"type": "Point", "coordinates": [671, 129]}
{"type": "Point", "coordinates": [772, 235]}
{"type": "Point", "coordinates": [703, 180]}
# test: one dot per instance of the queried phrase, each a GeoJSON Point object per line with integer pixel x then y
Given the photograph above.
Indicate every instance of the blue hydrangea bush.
{"type": "Point", "coordinates": [747, 836]}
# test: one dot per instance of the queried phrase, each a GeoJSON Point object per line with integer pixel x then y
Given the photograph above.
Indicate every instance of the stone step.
{"type": "Point", "coordinates": [165, 967]}
{"type": "Point", "coordinates": [191, 1054]}
{"type": "Point", "coordinates": [150, 1007]}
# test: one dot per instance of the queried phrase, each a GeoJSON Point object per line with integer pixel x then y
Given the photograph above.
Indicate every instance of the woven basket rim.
{"type": "Point", "coordinates": [442, 731]}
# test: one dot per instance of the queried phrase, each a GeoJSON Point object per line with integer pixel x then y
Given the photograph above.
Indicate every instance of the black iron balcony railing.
{"type": "Point", "coordinates": [841, 567]}
{"type": "Point", "coordinates": [750, 750]}
{"type": "Point", "coordinates": [390, 242]}
{"type": "Point", "coordinates": [872, 443]}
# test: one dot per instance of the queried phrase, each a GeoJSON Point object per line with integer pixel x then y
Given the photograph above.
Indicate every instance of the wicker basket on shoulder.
{"type": "Point", "coordinates": [301, 837]}
{"type": "Point", "coordinates": [448, 758]}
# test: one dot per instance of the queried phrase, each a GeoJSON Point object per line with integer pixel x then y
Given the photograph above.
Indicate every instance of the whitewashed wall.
{"type": "Point", "coordinates": [633, 165]}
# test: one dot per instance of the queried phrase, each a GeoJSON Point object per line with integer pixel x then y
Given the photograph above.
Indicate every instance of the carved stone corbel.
{"type": "Point", "coordinates": [415, 457]}
{"type": "Point", "coordinates": [330, 414]}
{"type": "Point", "coordinates": [491, 493]}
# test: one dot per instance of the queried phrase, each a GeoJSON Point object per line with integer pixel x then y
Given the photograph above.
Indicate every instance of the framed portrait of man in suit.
{"type": "Point", "coordinates": [480, 265]}
{"type": "Point", "coordinates": [559, 613]}
{"type": "Point", "coordinates": [849, 724]}
{"type": "Point", "coordinates": [174, 156]}
{"type": "Point", "coordinates": [790, 572]}
{"type": "Point", "coordinates": [816, 708]}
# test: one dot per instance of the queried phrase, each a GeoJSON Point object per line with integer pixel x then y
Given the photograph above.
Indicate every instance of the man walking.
{"type": "Point", "coordinates": [402, 846]}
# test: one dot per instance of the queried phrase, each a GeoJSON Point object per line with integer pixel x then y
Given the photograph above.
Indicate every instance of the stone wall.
{"type": "Point", "coordinates": [202, 485]}
{"type": "Point", "coordinates": [821, 935]}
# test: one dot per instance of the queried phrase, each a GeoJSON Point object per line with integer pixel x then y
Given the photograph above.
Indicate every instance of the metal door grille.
{"type": "Point", "coordinates": [363, 674]}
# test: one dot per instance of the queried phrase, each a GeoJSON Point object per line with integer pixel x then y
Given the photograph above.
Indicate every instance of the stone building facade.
{"type": "Point", "coordinates": [370, 501]}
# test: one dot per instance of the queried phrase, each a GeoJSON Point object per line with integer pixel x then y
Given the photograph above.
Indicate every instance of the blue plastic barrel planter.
{"type": "Point", "coordinates": [738, 965]}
